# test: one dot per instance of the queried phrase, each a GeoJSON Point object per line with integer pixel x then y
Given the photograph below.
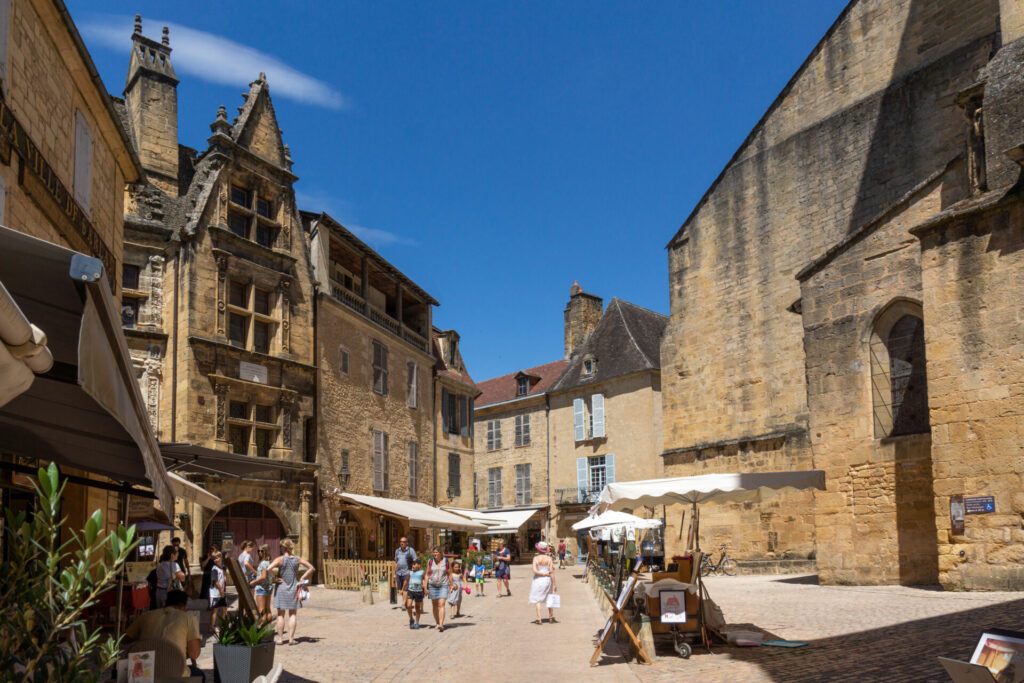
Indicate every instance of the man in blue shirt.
{"type": "Point", "coordinates": [404, 557]}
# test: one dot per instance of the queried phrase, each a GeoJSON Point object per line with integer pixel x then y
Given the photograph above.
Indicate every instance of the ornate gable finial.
{"type": "Point", "coordinates": [575, 289]}
{"type": "Point", "coordinates": [220, 124]}
{"type": "Point", "coordinates": [165, 39]}
{"type": "Point", "coordinates": [138, 23]}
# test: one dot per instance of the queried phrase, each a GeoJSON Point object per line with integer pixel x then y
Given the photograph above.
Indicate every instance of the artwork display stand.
{"type": "Point", "coordinates": [246, 601]}
{"type": "Point", "coordinates": [617, 616]}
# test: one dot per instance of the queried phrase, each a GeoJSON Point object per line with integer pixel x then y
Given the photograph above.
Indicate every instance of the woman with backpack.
{"type": "Point", "coordinates": [168, 574]}
{"type": "Point", "coordinates": [439, 586]}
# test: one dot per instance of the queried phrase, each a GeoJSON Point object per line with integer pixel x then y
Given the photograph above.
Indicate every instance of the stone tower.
{"type": "Point", "coordinates": [582, 314]}
{"type": "Point", "coordinates": [151, 99]}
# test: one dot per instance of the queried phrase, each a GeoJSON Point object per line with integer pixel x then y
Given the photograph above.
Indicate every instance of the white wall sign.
{"type": "Point", "coordinates": [251, 372]}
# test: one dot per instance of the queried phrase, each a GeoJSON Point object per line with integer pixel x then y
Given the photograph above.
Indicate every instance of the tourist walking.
{"type": "Point", "coordinates": [479, 575]}
{"type": "Point", "coordinates": [561, 554]}
{"type": "Point", "coordinates": [404, 556]}
{"type": "Point", "coordinates": [182, 557]}
{"type": "Point", "coordinates": [544, 583]}
{"type": "Point", "coordinates": [286, 592]}
{"type": "Point", "coordinates": [455, 596]}
{"type": "Point", "coordinates": [261, 584]}
{"type": "Point", "coordinates": [439, 586]}
{"type": "Point", "coordinates": [206, 565]}
{"type": "Point", "coordinates": [414, 594]}
{"type": "Point", "coordinates": [218, 591]}
{"type": "Point", "coordinates": [168, 574]}
{"type": "Point", "coordinates": [502, 571]}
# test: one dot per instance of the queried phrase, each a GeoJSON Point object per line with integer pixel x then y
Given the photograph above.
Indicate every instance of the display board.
{"type": "Point", "coordinates": [246, 601]}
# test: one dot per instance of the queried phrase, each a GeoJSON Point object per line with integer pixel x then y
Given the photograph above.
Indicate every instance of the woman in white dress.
{"type": "Point", "coordinates": [544, 582]}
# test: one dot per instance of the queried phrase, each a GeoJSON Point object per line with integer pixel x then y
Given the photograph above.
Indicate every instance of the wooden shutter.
{"type": "Point", "coordinates": [581, 479]}
{"type": "Point", "coordinates": [463, 416]}
{"type": "Point", "coordinates": [597, 405]}
{"type": "Point", "coordinates": [378, 460]}
{"type": "Point", "coordinates": [413, 467]}
{"type": "Point", "coordinates": [578, 419]}
{"type": "Point", "coordinates": [83, 162]}
{"type": "Point", "coordinates": [609, 468]}
{"type": "Point", "coordinates": [445, 417]}
{"type": "Point", "coordinates": [410, 384]}
{"type": "Point", "coordinates": [387, 462]}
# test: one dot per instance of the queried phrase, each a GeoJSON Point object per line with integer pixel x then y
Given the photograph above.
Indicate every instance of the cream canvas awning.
{"type": "Point", "coordinates": [476, 516]}
{"type": "Point", "coordinates": [420, 515]}
{"type": "Point", "coordinates": [615, 518]}
{"type": "Point", "coordinates": [720, 488]}
{"type": "Point", "coordinates": [86, 411]}
{"type": "Point", "coordinates": [510, 520]}
{"type": "Point", "coordinates": [183, 488]}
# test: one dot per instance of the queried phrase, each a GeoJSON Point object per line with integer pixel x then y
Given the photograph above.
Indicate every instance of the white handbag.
{"type": "Point", "coordinates": [554, 601]}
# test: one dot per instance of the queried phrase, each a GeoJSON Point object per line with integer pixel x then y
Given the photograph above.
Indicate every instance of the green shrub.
{"type": "Point", "coordinates": [238, 628]}
{"type": "Point", "coordinates": [46, 586]}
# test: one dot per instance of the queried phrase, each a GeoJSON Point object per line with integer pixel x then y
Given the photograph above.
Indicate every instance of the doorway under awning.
{"type": "Point", "coordinates": [419, 515]}
{"type": "Point", "coordinates": [85, 411]}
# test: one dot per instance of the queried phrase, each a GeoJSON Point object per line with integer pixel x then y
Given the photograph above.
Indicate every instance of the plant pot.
{"type": "Point", "coordinates": [241, 663]}
{"type": "Point", "coordinates": [382, 589]}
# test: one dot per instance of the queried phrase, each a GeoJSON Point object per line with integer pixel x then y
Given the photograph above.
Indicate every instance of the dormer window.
{"type": "Point", "coordinates": [589, 366]}
{"type": "Point", "coordinates": [251, 217]}
{"type": "Point", "coordinates": [522, 386]}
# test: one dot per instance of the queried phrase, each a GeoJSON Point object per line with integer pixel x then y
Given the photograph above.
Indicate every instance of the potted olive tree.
{"type": "Point", "coordinates": [244, 649]}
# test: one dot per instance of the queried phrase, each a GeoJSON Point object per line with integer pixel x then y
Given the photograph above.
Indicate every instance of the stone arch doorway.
{"type": "Point", "coordinates": [247, 521]}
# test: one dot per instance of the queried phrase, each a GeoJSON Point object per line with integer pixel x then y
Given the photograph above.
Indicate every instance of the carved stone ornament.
{"type": "Point", "coordinates": [222, 408]}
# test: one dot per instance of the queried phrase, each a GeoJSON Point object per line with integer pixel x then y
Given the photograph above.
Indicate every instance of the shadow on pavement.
{"type": "Point", "coordinates": [806, 580]}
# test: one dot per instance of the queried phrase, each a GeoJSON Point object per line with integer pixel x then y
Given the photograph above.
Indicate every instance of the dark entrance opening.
{"type": "Point", "coordinates": [248, 522]}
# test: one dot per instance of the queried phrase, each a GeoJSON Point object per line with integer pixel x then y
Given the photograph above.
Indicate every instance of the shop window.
{"type": "Point", "coordinates": [899, 380]}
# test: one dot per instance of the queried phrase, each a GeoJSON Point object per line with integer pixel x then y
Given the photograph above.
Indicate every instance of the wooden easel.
{"type": "Point", "coordinates": [246, 601]}
{"type": "Point", "coordinates": [618, 616]}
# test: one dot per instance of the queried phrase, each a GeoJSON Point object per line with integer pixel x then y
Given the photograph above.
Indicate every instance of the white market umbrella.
{"type": "Point", "coordinates": [720, 488]}
{"type": "Point", "coordinates": [615, 518]}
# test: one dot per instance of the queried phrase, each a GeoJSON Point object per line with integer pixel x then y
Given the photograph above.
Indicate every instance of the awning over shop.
{"type": "Point", "coordinates": [183, 488]}
{"type": "Point", "coordinates": [720, 488]}
{"type": "Point", "coordinates": [193, 459]}
{"type": "Point", "coordinates": [475, 515]}
{"type": "Point", "coordinates": [510, 520]}
{"type": "Point", "coordinates": [420, 515]}
{"type": "Point", "coordinates": [86, 411]}
{"type": "Point", "coordinates": [615, 518]}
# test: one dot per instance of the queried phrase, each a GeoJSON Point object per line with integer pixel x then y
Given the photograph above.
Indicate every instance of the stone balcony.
{"type": "Point", "coordinates": [379, 317]}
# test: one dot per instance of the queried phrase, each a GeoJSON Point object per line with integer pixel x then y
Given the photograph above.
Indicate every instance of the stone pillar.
{"type": "Point", "coordinates": [197, 516]}
{"type": "Point", "coordinates": [222, 274]}
{"type": "Point", "coordinates": [284, 291]}
{"type": "Point", "coordinates": [305, 542]}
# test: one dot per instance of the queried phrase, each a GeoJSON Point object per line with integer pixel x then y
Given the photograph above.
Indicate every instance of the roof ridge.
{"type": "Point", "coordinates": [513, 374]}
{"type": "Point", "coordinates": [625, 324]}
{"type": "Point", "coordinates": [642, 308]}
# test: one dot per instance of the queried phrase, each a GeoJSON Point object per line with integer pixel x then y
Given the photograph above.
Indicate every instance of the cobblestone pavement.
{"type": "Point", "coordinates": [879, 633]}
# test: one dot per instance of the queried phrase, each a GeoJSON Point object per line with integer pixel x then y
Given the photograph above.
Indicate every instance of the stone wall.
{"type": "Point", "coordinates": [509, 455]}
{"type": "Point", "coordinates": [974, 305]}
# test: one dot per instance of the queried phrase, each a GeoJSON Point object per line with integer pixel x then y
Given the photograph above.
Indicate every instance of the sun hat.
{"type": "Point", "coordinates": [542, 547]}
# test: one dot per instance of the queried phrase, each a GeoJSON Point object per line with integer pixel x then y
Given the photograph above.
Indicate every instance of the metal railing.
{"type": "Point", "coordinates": [576, 496]}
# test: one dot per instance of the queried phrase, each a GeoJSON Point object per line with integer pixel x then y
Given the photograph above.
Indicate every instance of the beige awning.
{"type": "Point", "coordinates": [509, 521]}
{"type": "Point", "coordinates": [420, 515]}
{"type": "Point", "coordinates": [190, 491]}
{"type": "Point", "coordinates": [86, 411]}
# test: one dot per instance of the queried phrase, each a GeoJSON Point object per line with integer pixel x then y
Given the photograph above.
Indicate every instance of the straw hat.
{"type": "Point", "coordinates": [542, 547]}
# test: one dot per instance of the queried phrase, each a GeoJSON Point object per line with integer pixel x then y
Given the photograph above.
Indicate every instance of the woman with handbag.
{"type": "Point", "coordinates": [544, 582]}
{"type": "Point", "coordinates": [168, 574]}
{"type": "Point", "coordinates": [287, 589]}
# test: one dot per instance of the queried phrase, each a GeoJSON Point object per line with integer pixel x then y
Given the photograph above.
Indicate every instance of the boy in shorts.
{"type": "Point", "coordinates": [414, 595]}
{"type": "Point", "coordinates": [478, 575]}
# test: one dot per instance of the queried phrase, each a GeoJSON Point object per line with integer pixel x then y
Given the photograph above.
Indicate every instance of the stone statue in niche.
{"type": "Point", "coordinates": [976, 145]}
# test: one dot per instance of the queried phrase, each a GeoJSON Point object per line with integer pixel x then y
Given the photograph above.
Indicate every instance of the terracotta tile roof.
{"type": "Point", "coordinates": [504, 388]}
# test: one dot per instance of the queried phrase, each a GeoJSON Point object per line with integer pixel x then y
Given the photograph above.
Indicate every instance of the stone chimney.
{"type": "Point", "coordinates": [582, 314]}
{"type": "Point", "coordinates": [151, 98]}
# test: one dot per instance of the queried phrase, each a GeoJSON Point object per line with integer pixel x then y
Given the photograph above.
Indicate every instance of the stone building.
{"type": "Point", "coordinates": [375, 405]}
{"type": "Point", "coordinates": [550, 437]}
{"type": "Point", "coordinates": [64, 164]}
{"type": "Point", "coordinates": [218, 305]}
{"type": "Point", "coordinates": [455, 396]}
{"type": "Point", "coordinates": [835, 304]}
{"type": "Point", "coordinates": [605, 409]}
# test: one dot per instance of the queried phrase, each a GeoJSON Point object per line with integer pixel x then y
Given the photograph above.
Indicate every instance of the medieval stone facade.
{"type": "Point", "coordinates": [219, 311]}
{"type": "Point", "coordinates": [454, 449]}
{"type": "Point", "coordinates": [812, 329]}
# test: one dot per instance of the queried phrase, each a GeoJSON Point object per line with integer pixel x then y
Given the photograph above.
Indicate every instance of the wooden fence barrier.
{"type": "Point", "coordinates": [349, 574]}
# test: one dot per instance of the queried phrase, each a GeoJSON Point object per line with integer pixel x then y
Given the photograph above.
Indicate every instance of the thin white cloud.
{"type": "Point", "coordinates": [339, 208]}
{"type": "Point", "coordinates": [216, 59]}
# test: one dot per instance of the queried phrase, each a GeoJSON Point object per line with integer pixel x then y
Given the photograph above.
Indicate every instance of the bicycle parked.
{"type": "Point", "coordinates": [725, 565]}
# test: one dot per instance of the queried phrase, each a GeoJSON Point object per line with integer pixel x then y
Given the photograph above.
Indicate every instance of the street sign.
{"type": "Point", "coordinates": [980, 505]}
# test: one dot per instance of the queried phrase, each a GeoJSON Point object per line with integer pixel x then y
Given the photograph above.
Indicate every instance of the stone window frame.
{"type": "Point", "coordinates": [244, 198]}
{"type": "Point", "coordinates": [588, 368]}
{"type": "Point", "coordinates": [133, 298]}
{"type": "Point", "coordinates": [494, 487]}
{"type": "Point", "coordinates": [249, 421]}
{"type": "Point", "coordinates": [879, 388]}
{"type": "Point", "coordinates": [494, 435]}
{"type": "Point", "coordinates": [522, 430]}
{"type": "Point", "coordinates": [344, 360]}
{"type": "Point", "coordinates": [524, 484]}
{"type": "Point", "coordinates": [522, 386]}
{"type": "Point", "coordinates": [253, 283]}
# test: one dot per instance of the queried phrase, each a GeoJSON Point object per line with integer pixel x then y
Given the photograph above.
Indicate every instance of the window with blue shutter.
{"type": "Point", "coordinates": [597, 406]}
{"type": "Point", "coordinates": [445, 417]}
{"type": "Point", "coordinates": [582, 478]}
{"type": "Point", "coordinates": [463, 416]}
{"type": "Point", "coordinates": [609, 468]}
{"type": "Point", "coordinates": [578, 416]}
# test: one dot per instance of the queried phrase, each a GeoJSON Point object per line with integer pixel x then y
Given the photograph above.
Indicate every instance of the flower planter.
{"type": "Point", "coordinates": [241, 663]}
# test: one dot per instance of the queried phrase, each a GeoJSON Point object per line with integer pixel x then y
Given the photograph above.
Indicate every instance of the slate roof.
{"type": "Point", "coordinates": [627, 339]}
{"type": "Point", "coordinates": [504, 388]}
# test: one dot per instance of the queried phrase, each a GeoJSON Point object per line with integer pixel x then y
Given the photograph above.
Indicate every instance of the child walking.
{"type": "Point", "coordinates": [478, 575]}
{"type": "Point", "coordinates": [414, 595]}
{"type": "Point", "coordinates": [455, 595]}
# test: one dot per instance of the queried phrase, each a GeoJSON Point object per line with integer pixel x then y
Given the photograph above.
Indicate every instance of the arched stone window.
{"type": "Point", "coordinates": [899, 380]}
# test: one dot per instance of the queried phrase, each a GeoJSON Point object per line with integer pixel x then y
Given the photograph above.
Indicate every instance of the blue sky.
{"type": "Point", "coordinates": [494, 152]}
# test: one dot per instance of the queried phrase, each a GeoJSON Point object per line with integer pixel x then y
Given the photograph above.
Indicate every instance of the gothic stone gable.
{"type": "Point", "coordinates": [257, 129]}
